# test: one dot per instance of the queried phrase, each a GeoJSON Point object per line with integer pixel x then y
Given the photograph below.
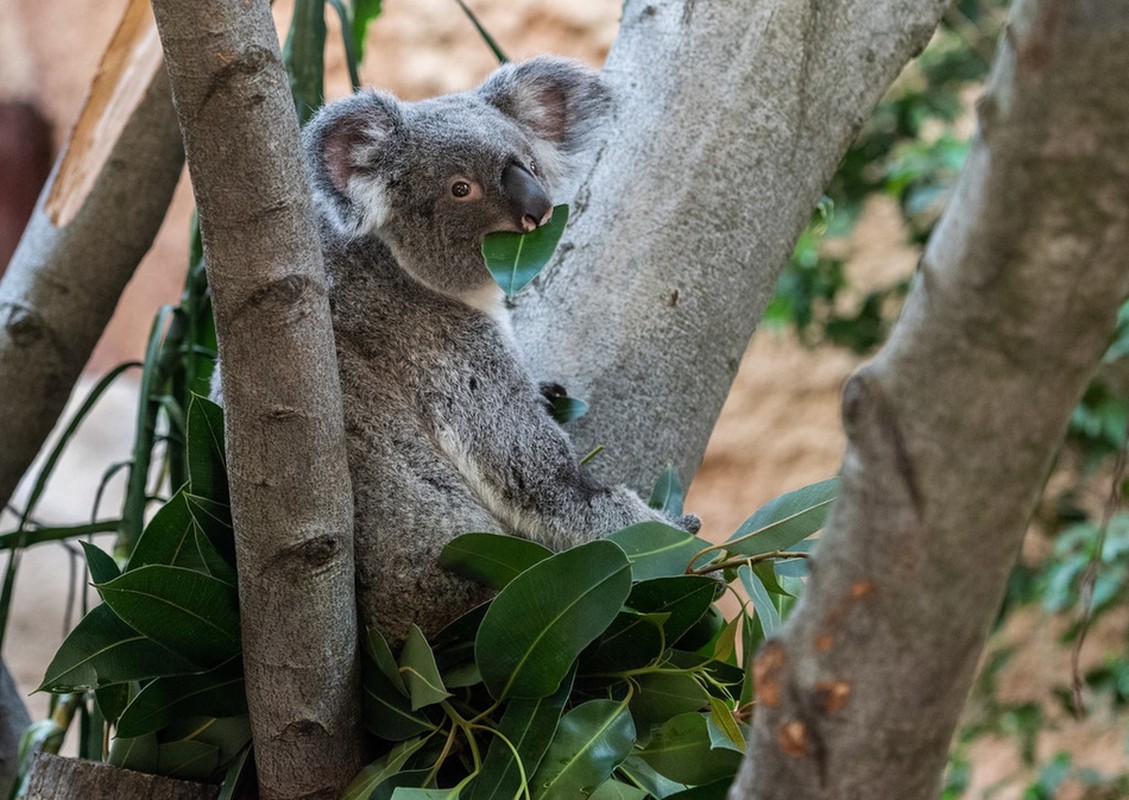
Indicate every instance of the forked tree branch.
{"type": "Point", "coordinates": [954, 426]}
{"type": "Point", "coordinates": [290, 493]}
{"type": "Point", "coordinates": [732, 118]}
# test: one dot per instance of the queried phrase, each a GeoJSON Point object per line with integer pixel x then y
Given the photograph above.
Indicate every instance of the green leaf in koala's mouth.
{"type": "Point", "coordinates": [514, 259]}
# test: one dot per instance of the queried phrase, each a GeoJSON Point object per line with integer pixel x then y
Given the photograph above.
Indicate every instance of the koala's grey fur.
{"type": "Point", "coordinates": [447, 433]}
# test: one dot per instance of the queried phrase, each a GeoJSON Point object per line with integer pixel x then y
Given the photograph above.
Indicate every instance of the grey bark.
{"type": "Point", "coordinates": [55, 778]}
{"type": "Point", "coordinates": [952, 429]}
{"type": "Point", "coordinates": [290, 493]}
{"type": "Point", "coordinates": [14, 720]}
{"type": "Point", "coordinates": [71, 265]}
{"type": "Point", "coordinates": [732, 119]}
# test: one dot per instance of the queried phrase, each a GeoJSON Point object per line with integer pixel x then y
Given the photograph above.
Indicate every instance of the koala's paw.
{"type": "Point", "coordinates": [689, 522]}
{"type": "Point", "coordinates": [551, 392]}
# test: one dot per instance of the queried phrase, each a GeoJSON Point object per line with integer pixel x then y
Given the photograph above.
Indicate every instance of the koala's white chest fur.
{"type": "Point", "coordinates": [491, 301]}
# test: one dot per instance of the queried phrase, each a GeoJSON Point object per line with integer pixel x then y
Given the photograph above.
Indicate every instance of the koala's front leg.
{"type": "Point", "coordinates": [523, 469]}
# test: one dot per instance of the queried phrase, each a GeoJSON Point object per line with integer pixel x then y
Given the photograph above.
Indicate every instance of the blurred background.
{"type": "Point", "coordinates": [1021, 737]}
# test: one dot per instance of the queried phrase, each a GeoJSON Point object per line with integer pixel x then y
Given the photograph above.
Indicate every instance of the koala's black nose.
{"type": "Point", "coordinates": [530, 205]}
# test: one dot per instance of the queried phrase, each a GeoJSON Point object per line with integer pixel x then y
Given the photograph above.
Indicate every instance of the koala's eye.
{"type": "Point", "coordinates": [532, 167]}
{"type": "Point", "coordinates": [463, 188]}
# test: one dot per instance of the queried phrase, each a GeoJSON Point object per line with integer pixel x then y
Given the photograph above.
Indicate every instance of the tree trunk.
{"type": "Point", "coordinates": [55, 778]}
{"type": "Point", "coordinates": [95, 219]}
{"type": "Point", "coordinates": [290, 494]}
{"type": "Point", "coordinates": [732, 119]}
{"type": "Point", "coordinates": [953, 427]}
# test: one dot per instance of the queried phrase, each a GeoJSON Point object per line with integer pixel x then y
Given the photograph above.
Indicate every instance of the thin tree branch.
{"type": "Point", "coordinates": [953, 428]}
{"type": "Point", "coordinates": [95, 219]}
{"type": "Point", "coordinates": [290, 493]}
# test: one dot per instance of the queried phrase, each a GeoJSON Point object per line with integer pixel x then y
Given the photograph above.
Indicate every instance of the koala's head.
{"type": "Point", "coordinates": [433, 178]}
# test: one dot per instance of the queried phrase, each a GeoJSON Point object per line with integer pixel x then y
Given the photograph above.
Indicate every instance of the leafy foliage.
{"type": "Point", "coordinates": [603, 670]}
{"type": "Point", "coordinates": [161, 654]}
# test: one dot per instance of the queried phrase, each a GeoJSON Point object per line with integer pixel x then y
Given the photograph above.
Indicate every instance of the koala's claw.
{"type": "Point", "coordinates": [690, 523]}
{"type": "Point", "coordinates": [552, 391]}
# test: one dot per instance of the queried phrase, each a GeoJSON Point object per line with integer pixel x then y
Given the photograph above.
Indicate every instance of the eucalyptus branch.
{"type": "Point", "coordinates": [717, 566]}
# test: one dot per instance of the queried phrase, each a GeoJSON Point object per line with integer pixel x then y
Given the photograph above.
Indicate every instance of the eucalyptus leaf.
{"type": "Point", "coordinates": [667, 496]}
{"type": "Point", "coordinates": [215, 564]}
{"type": "Point", "coordinates": [369, 778]}
{"type": "Point", "coordinates": [213, 519]}
{"type": "Point", "coordinates": [380, 655]}
{"type": "Point", "coordinates": [681, 750]}
{"type": "Point", "coordinates": [514, 259]}
{"type": "Point", "coordinates": [102, 651]}
{"type": "Point", "coordinates": [657, 550]}
{"type": "Point", "coordinates": [388, 714]}
{"type": "Point", "coordinates": [767, 614]}
{"type": "Point", "coordinates": [113, 699]}
{"type": "Point", "coordinates": [207, 465]}
{"type": "Point", "coordinates": [716, 790]}
{"type": "Point", "coordinates": [662, 695]}
{"type": "Point", "coordinates": [421, 676]}
{"type": "Point", "coordinates": [567, 409]}
{"type": "Point", "coordinates": [192, 614]}
{"type": "Point", "coordinates": [386, 710]}
{"type": "Point", "coordinates": [217, 693]}
{"type": "Point", "coordinates": [633, 640]}
{"type": "Point", "coordinates": [101, 564]}
{"type": "Point", "coordinates": [590, 742]}
{"type": "Point", "coordinates": [538, 625]}
{"type": "Point", "coordinates": [766, 571]}
{"type": "Point", "coordinates": [169, 538]}
{"type": "Point", "coordinates": [230, 734]}
{"type": "Point", "coordinates": [683, 598]}
{"type": "Point", "coordinates": [723, 727]}
{"type": "Point", "coordinates": [414, 793]}
{"type": "Point", "coordinates": [702, 632]}
{"type": "Point", "coordinates": [238, 779]}
{"type": "Point", "coordinates": [785, 520]}
{"type": "Point", "coordinates": [529, 726]}
{"type": "Point", "coordinates": [642, 773]}
{"type": "Point", "coordinates": [490, 558]}
{"type": "Point", "coordinates": [454, 645]}
{"type": "Point", "coordinates": [139, 754]}
{"type": "Point", "coordinates": [617, 790]}
{"type": "Point", "coordinates": [187, 759]}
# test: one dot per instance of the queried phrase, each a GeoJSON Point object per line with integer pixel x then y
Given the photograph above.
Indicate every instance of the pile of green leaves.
{"type": "Point", "coordinates": [161, 654]}
{"type": "Point", "coordinates": [602, 671]}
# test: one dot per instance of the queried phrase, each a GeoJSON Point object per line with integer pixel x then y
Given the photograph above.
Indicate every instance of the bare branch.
{"type": "Point", "coordinates": [290, 492]}
{"type": "Point", "coordinates": [95, 219]}
{"type": "Point", "coordinates": [953, 428]}
{"type": "Point", "coordinates": [732, 118]}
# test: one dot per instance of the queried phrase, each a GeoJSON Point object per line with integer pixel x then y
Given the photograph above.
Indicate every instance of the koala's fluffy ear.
{"type": "Point", "coordinates": [350, 147]}
{"type": "Point", "coordinates": [560, 101]}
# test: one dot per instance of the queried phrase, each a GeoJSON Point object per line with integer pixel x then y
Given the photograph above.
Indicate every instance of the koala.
{"type": "Point", "coordinates": [446, 431]}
